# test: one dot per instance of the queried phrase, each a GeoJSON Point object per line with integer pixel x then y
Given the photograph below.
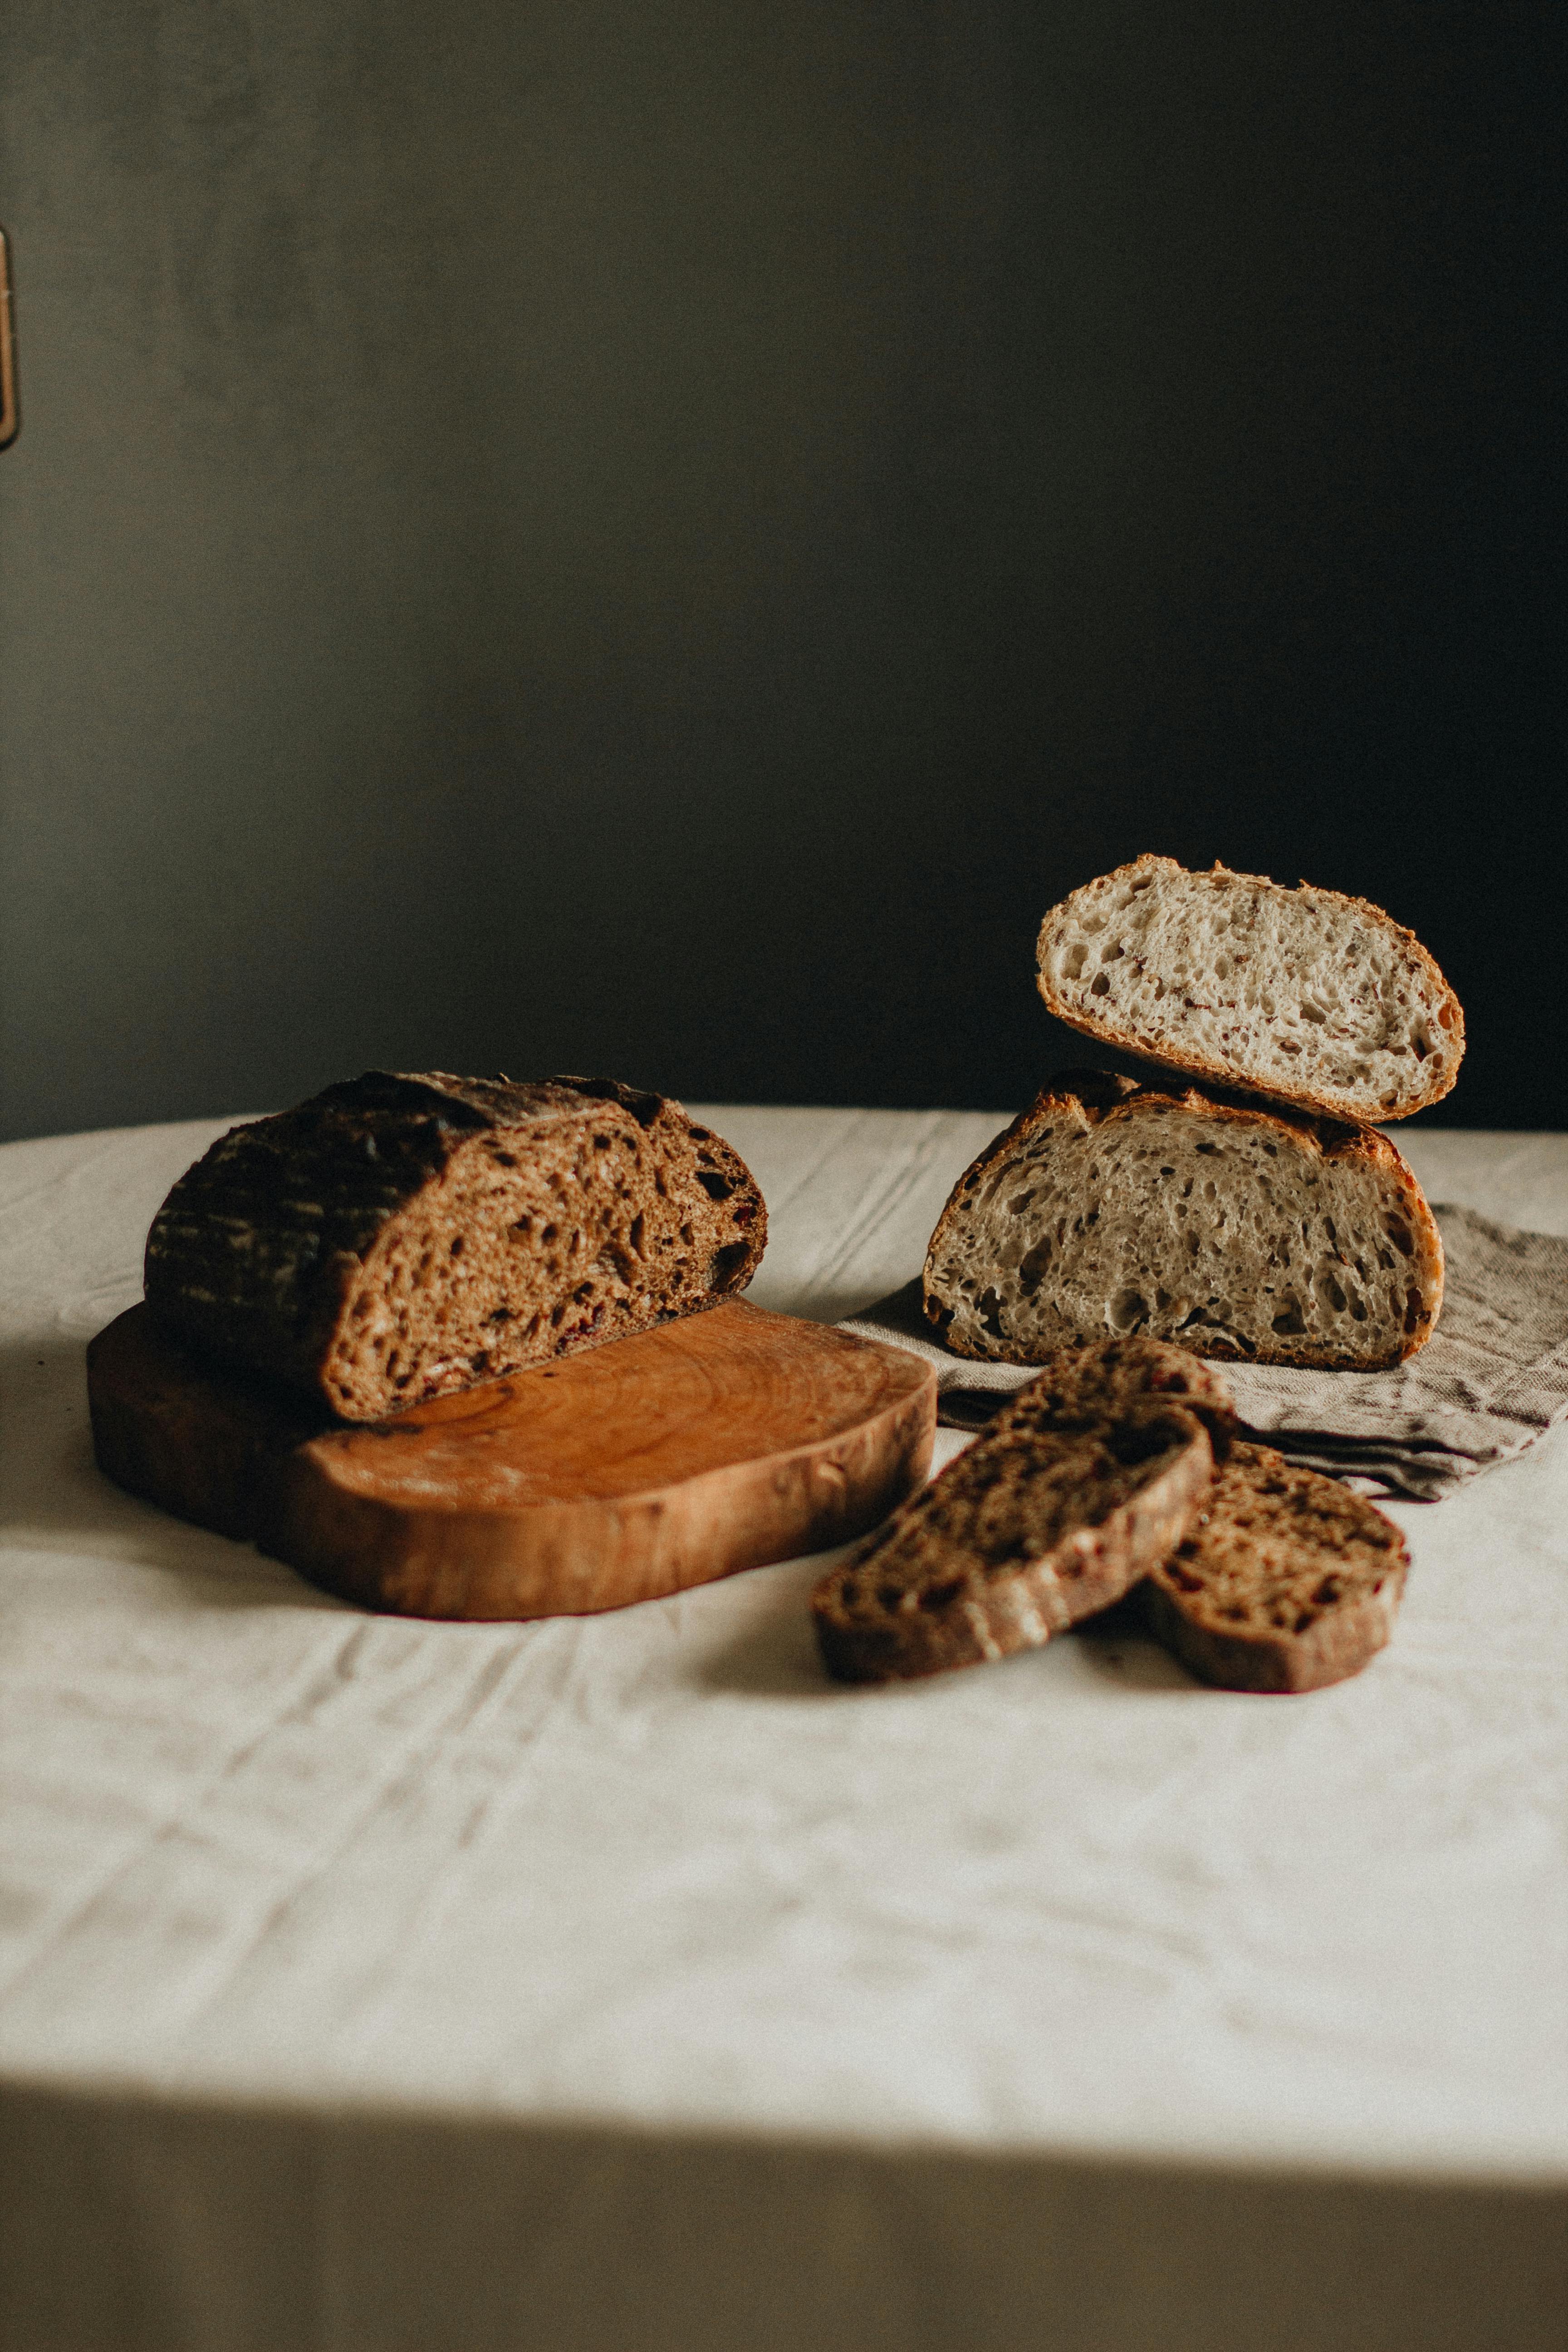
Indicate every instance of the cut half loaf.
{"type": "Point", "coordinates": [1081, 1486]}
{"type": "Point", "coordinates": [1316, 999]}
{"type": "Point", "coordinates": [1286, 1580]}
{"type": "Point", "coordinates": [399, 1237]}
{"type": "Point", "coordinates": [1112, 1208]}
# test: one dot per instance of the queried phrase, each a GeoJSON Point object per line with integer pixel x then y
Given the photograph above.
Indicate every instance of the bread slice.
{"type": "Point", "coordinates": [1311, 998]}
{"type": "Point", "coordinates": [1110, 1207]}
{"type": "Point", "coordinates": [1286, 1581]}
{"type": "Point", "coordinates": [1084, 1483]}
{"type": "Point", "coordinates": [398, 1237]}
{"type": "Point", "coordinates": [1110, 1378]}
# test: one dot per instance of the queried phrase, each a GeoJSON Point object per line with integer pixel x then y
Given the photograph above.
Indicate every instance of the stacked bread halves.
{"type": "Point", "coordinates": [1238, 1202]}
{"type": "Point", "coordinates": [1256, 1214]}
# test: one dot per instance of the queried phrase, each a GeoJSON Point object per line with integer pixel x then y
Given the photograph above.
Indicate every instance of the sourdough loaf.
{"type": "Point", "coordinates": [1109, 1207]}
{"type": "Point", "coordinates": [397, 1237]}
{"type": "Point", "coordinates": [1089, 1479]}
{"type": "Point", "coordinates": [1314, 998]}
{"type": "Point", "coordinates": [1285, 1581]}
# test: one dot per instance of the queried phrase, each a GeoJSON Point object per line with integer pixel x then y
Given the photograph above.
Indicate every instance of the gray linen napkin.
{"type": "Point", "coordinates": [1491, 1378]}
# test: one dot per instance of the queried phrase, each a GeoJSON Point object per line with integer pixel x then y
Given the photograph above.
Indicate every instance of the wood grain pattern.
{"type": "Point", "coordinates": [716, 1442]}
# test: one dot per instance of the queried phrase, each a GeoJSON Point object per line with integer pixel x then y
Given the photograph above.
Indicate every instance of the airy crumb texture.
{"type": "Point", "coordinates": [1286, 1580]}
{"type": "Point", "coordinates": [398, 1236]}
{"type": "Point", "coordinates": [1041, 1522]}
{"type": "Point", "coordinates": [1314, 998]}
{"type": "Point", "coordinates": [1109, 1208]}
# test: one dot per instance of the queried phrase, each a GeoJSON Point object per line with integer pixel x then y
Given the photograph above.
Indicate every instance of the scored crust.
{"type": "Point", "coordinates": [1286, 1580]}
{"type": "Point", "coordinates": [1307, 996]}
{"type": "Point", "coordinates": [1071, 1495]}
{"type": "Point", "coordinates": [399, 1237]}
{"type": "Point", "coordinates": [1234, 1230]}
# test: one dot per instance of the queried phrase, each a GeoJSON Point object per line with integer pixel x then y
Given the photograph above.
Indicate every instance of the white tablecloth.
{"type": "Point", "coordinates": [620, 1983]}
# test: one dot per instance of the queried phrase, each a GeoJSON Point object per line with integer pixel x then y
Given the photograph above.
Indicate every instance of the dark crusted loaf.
{"type": "Point", "coordinates": [1315, 998]}
{"type": "Point", "coordinates": [1084, 1483]}
{"type": "Point", "coordinates": [1235, 1230]}
{"type": "Point", "coordinates": [398, 1237]}
{"type": "Point", "coordinates": [1286, 1580]}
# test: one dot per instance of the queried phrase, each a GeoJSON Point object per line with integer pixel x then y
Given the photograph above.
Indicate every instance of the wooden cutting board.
{"type": "Point", "coordinates": [616, 1474]}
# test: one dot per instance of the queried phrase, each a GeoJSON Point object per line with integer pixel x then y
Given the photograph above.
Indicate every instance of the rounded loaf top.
{"type": "Point", "coordinates": [1303, 995]}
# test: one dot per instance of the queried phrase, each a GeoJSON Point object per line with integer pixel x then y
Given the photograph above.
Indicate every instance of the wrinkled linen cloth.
{"type": "Point", "coordinates": [621, 1984]}
{"type": "Point", "coordinates": [1493, 1376]}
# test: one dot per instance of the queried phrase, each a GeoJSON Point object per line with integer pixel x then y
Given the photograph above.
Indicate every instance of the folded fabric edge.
{"type": "Point", "coordinates": [969, 1394]}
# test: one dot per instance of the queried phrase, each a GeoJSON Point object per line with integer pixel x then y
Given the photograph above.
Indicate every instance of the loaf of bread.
{"type": "Point", "coordinates": [1285, 1581]}
{"type": "Point", "coordinates": [1237, 1231]}
{"type": "Point", "coordinates": [1087, 1479]}
{"type": "Point", "coordinates": [399, 1237]}
{"type": "Point", "coordinates": [1316, 1000]}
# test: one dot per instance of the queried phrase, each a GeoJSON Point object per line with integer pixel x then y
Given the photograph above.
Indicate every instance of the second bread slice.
{"type": "Point", "coordinates": [1286, 1581]}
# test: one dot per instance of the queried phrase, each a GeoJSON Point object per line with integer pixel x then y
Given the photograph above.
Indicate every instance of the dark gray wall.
{"type": "Point", "coordinates": [660, 537]}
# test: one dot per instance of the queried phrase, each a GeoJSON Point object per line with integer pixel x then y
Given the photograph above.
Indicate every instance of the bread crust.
{"type": "Point", "coordinates": [1319, 1586]}
{"type": "Point", "coordinates": [267, 1251]}
{"type": "Point", "coordinates": [1106, 1029]}
{"type": "Point", "coordinates": [1094, 1097]}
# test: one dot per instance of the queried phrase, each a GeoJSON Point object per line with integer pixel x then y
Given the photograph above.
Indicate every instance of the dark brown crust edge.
{"type": "Point", "coordinates": [1097, 1094]}
{"type": "Point", "coordinates": [1022, 1610]}
{"type": "Point", "coordinates": [1224, 1074]}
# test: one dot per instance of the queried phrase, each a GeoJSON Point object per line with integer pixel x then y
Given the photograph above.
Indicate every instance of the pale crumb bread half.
{"type": "Point", "coordinates": [1081, 1485]}
{"type": "Point", "coordinates": [1109, 1208]}
{"type": "Point", "coordinates": [1309, 997]}
{"type": "Point", "coordinates": [1286, 1580]}
{"type": "Point", "coordinates": [401, 1236]}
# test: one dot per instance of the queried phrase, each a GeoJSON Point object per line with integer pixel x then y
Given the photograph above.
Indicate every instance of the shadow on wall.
{"type": "Point", "coordinates": [661, 539]}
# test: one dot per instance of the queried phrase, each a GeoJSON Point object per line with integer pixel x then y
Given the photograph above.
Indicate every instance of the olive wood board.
{"type": "Point", "coordinates": [615, 1474]}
